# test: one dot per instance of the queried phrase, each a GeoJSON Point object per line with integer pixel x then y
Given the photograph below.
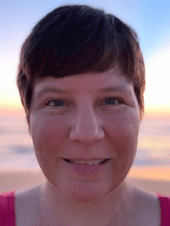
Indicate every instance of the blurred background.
{"type": "Point", "coordinates": [149, 18]}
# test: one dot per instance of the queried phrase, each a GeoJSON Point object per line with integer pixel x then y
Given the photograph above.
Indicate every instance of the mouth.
{"type": "Point", "coordinates": [87, 163]}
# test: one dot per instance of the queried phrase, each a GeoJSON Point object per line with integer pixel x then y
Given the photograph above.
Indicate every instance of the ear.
{"type": "Point", "coordinates": [28, 122]}
{"type": "Point", "coordinates": [141, 116]}
{"type": "Point", "coordinates": [141, 120]}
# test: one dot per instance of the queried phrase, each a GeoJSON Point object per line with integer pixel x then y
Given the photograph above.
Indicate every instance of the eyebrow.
{"type": "Point", "coordinates": [113, 89]}
{"type": "Point", "coordinates": [103, 90]}
{"type": "Point", "coordinates": [52, 90]}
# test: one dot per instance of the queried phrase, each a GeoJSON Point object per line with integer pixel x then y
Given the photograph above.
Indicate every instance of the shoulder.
{"type": "Point", "coordinates": [27, 206]}
{"type": "Point", "coordinates": [145, 197]}
{"type": "Point", "coordinates": [146, 207]}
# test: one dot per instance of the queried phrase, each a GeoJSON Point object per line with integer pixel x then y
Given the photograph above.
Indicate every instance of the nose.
{"type": "Point", "coordinates": [87, 127]}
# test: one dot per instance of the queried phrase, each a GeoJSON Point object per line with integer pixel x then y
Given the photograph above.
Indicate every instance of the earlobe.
{"type": "Point", "coordinates": [28, 122]}
{"type": "Point", "coordinates": [141, 117]}
{"type": "Point", "coordinates": [29, 130]}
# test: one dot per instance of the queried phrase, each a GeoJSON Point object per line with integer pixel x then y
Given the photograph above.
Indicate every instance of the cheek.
{"type": "Point", "coordinates": [48, 135]}
{"type": "Point", "coordinates": [123, 135]}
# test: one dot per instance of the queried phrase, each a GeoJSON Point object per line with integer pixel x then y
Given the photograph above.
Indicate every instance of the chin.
{"type": "Point", "coordinates": [85, 192]}
{"type": "Point", "coordinates": [81, 197]}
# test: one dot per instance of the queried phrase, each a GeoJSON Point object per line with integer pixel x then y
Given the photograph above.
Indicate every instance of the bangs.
{"type": "Point", "coordinates": [78, 39]}
{"type": "Point", "coordinates": [80, 47]}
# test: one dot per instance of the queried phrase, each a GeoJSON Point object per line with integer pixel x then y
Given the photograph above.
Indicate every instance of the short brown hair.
{"type": "Point", "coordinates": [74, 39]}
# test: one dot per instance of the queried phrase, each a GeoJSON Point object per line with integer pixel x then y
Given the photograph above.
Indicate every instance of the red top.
{"type": "Point", "coordinates": [165, 209]}
{"type": "Point", "coordinates": [7, 213]}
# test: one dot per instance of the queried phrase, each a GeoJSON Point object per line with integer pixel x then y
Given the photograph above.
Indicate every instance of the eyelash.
{"type": "Point", "coordinates": [113, 98]}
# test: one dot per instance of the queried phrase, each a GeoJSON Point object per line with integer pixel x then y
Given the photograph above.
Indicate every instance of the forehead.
{"type": "Point", "coordinates": [111, 80]}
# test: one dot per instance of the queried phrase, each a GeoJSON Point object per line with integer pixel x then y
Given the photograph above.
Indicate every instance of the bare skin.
{"type": "Point", "coordinates": [96, 117]}
{"type": "Point", "coordinates": [138, 208]}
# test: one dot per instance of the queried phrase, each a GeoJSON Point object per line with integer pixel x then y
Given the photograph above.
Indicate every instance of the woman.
{"type": "Point", "coordinates": [81, 80]}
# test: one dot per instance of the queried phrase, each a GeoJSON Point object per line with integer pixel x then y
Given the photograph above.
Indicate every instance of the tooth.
{"type": "Point", "coordinates": [83, 162]}
{"type": "Point", "coordinates": [97, 162]}
{"type": "Point", "coordinates": [90, 163]}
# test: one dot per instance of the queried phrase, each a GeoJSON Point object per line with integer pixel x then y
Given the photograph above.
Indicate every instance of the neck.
{"type": "Point", "coordinates": [59, 208]}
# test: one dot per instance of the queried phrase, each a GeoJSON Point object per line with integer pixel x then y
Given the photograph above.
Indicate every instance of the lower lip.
{"type": "Point", "coordinates": [86, 169]}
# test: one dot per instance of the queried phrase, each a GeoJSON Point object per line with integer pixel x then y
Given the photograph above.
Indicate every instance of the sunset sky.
{"type": "Point", "coordinates": [150, 19]}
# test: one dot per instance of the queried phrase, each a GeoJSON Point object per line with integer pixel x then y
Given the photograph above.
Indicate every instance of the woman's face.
{"type": "Point", "coordinates": [94, 118]}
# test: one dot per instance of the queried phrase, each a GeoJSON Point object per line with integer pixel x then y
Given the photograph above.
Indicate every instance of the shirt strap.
{"type": "Point", "coordinates": [7, 209]}
{"type": "Point", "coordinates": [165, 209]}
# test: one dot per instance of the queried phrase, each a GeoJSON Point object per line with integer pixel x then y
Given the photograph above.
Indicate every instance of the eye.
{"type": "Point", "coordinates": [112, 101]}
{"type": "Point", "coordinates": [55, 103]}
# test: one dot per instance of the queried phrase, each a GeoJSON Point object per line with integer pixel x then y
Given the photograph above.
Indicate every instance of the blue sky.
{"type": "Point", "coordinates": [150, 19]}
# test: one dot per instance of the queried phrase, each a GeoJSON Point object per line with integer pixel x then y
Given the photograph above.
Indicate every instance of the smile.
{"type": "Point", "coordinates": [89, 163]}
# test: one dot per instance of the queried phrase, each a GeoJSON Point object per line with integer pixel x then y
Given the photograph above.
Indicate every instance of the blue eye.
{"type": "Point", "coordinates": [112, 101]}
{"type": "Point", "coordinates": [60, 103]}
{"type": "Point", "coordinates": [55, 103]}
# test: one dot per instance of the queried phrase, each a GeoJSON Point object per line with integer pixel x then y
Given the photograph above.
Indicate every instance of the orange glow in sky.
{"type": "Point", "coordinates": [149, 19]}
{"type": "Point", "coordinates": [157, 94]}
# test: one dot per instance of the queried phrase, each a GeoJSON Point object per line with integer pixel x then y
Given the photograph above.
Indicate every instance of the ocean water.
{"type": "Point", "coordinates": [16, 148]}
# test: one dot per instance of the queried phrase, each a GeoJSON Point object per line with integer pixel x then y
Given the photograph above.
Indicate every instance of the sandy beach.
{"type": "Point", "coordinates": [150, 179]}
